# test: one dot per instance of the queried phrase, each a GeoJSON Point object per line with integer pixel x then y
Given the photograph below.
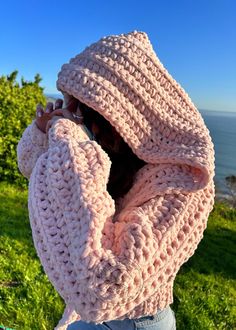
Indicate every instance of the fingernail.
{"type": "Point", "coordinates": [47, 110]}
{"type": "Point", "coordinates": [39, 114]}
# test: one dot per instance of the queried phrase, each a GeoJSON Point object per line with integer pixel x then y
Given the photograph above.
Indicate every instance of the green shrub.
{"type": "Point", "coordinates": [17, 109]}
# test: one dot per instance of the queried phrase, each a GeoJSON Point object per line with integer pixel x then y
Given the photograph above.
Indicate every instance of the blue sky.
{"type": "Point", "coordinates": [194, 39]}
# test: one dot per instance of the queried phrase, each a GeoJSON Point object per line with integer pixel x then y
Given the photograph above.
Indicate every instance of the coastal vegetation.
{"type": "Point", "coordinates": [17, 109]}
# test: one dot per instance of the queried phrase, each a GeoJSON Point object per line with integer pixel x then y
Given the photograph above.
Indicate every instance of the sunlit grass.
{"type": "Point", "coordinates": [27, 299]}
{"type": "Point", "coordinates": [205, 287]}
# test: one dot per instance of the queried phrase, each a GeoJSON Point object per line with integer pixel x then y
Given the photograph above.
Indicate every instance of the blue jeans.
{"type": "Point", "coordinates": [162, 320]}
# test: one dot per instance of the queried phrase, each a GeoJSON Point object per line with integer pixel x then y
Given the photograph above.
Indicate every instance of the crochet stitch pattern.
{"type": "Point", "coordinates": [108, 267]}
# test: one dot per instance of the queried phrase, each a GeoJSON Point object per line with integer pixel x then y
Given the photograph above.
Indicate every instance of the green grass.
{"type": "Point", "coordinates": [204, 289]}
{"type": "Point", "coordinates": [28, 301]}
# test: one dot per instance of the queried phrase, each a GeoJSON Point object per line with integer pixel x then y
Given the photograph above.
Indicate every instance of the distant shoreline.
{"type": "Point", "coordinates": [55, 96]}
{"type": "Point", "coordinates": [226, 198]}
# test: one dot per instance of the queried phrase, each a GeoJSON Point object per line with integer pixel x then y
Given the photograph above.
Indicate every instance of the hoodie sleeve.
{"type": "Point", "coordinates": [32, 144]}
{"type": "Point", "coordinates": [104, 269]}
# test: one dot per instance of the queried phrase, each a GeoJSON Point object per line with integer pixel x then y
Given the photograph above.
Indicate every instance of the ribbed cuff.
{"type": "Point", "coordinates": [38, 137]}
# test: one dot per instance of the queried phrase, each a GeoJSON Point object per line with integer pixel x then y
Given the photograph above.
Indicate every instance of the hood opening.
{"type": "Point", "coordinates": [124, 163]}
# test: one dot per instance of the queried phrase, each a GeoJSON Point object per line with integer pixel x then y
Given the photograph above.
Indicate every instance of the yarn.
{"type": "Point", "coordinates": [107, 267]}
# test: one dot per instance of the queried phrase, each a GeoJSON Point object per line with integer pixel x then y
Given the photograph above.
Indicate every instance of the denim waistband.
{"type": "Point", "coordinates": [160, 314]}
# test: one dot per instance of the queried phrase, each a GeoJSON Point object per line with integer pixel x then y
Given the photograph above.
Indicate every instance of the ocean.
{"type": "Point", "coordinates": [222, 127]}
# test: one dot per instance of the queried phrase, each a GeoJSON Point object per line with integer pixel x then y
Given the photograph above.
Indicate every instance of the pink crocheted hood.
{"type": "Point", "coordinates": [110, 263]}
{"type": "Point", "coordinates": [122, 78]}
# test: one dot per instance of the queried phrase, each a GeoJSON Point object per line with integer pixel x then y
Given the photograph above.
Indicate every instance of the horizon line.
{"type": "Point", "coordinates": [52, 95]}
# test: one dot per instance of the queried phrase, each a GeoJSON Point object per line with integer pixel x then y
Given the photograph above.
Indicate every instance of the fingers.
{"type": "Point", "coordinates": [39, 110]}
{"type": "Point", "coordinates": [58, 104]}
{"type": "Point", "coordinates": [49, 107]}
{"type": "Point", "coordinates": [71, 111]}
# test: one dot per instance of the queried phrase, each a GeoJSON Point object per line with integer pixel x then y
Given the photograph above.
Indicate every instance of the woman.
{"type": "Point", "coordinates": [121, 185]}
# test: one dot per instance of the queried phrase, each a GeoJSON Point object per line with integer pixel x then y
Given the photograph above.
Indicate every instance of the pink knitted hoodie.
{"type": "Point", "coordinates": [112, 261]}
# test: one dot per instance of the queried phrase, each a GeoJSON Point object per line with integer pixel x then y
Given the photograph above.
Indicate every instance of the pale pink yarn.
{"type": "Point", "coordinates": [112, 261]}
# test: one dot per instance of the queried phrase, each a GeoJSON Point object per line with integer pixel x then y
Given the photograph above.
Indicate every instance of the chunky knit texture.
{"type": "Point", "coordinates": [112, 261]}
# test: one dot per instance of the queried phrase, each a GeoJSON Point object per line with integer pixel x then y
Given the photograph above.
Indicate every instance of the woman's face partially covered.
{"type": "Point", "coordinates": [124, 163]}
{"type": "Point", "coordinates": [104, 133]}
{"type": "Point", "coordinates": [98, 128]}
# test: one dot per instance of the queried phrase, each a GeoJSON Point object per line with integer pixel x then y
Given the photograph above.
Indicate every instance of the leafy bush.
{"type": "Point", "coordinates": [17, 109]}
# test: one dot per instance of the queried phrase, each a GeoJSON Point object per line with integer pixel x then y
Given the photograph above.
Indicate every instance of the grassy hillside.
{"type": "Point", "coordinates": [204, 290]}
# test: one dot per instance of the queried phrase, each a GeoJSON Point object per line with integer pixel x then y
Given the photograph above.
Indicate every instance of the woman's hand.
{"type": "Point", "coordinates": [42, 117]}
{"type": "Point", "coordinates": [71, 111]}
